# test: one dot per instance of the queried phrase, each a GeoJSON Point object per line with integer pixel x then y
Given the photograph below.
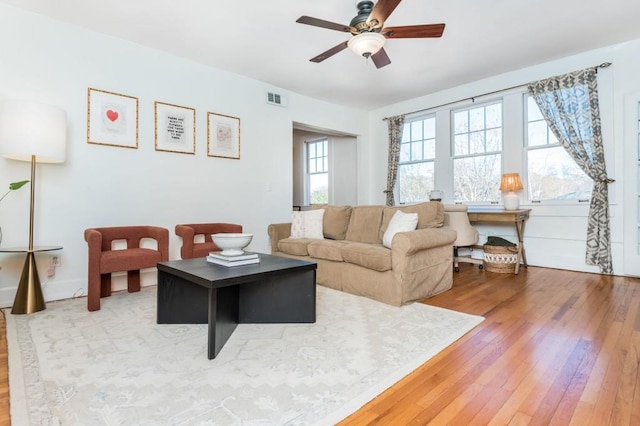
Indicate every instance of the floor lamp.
{"type": "Point", "coordinates": [35, 132]}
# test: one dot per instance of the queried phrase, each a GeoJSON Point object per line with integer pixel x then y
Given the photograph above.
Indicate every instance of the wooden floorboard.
{"type": "Point", "coordinates": [556, 348]}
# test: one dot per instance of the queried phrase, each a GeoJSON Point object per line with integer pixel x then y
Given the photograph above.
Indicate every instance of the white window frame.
{"type": "Point", "coordinates": [500, 152]}
{"type": "Point", "coordinates": [422, 160]}
{"type": "Point", "coordinates": [525, 152]}
{"type": "Point", "coordinates": [308, 173]}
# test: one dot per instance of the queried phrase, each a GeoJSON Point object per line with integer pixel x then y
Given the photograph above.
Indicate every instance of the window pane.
{"type": "Point", "coordinates": [312, 166]}
{"type": "Point", "coordinates": [319, 188]}
{"type": "Point", "coordinates": [416, 130]}
{"type": "Point", "coordinates": [477, 178]}
{"type": "Point", "coordinates": [406, 132]}
{"type": "Point", "coordinates": [476, 119]}
{"type": "Point", "coordinates": [553, 175]}
{"type": "Point", "coordinates": [476, 142]}
{"type": "Point", "coordinates": [405, 152]}
{"type": "Point", "coordinates": [461, 122]}
{"type": "Point", "coordinates": [538, 133]}
{"type": "Point", "coordinates": [416, 151]}
{"type": "Point", "coordinates": [430, 128]}
{"type": "Point", "coordinates": [494, 116]}
{"type": "Point", "coordinates": [533, 112]}
{"type": "Point", "coordinates": [416, 180]}
{"type": "Point", "coordinates": [494, 140]}
{"type": "Point", "coordinates": [430, 149]}
{"type": "Point", "coordinates": [461, 146]}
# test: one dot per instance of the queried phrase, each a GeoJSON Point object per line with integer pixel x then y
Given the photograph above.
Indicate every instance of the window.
{"type": "Point", "coordinates": [416, 165]}
{"type": "Point", "coordinates": [318, 171]}
{"type": "Point", "coordinates": [551, 173]}
{"type": "Point", "coordinates": [477, 153]}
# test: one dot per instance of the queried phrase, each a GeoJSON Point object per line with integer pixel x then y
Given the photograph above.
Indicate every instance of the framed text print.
{"type": "Point", "coordinates": [223, 136]}
{"type": "Point", "coordinates": [175, 128]}
{"type": "Point", "coordinates": [112, 119]}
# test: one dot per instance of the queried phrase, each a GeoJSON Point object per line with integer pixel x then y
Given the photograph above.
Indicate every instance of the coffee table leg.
{"type": "Point", "coordinates": [223, 317]}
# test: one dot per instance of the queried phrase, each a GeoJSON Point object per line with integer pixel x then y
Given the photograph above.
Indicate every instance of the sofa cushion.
{"type": "Point", "coordinates": [370, 256]}
{"type": "Point", "coordinates": [430, 215]}
{"type": "Point", "coordinates": [335, 220]}
{"type": "Point", "coordinates": [307, 224]}
{"type": "Point", "coordinates": [327, 249]}
{"type": "Point", "coordinates": [295, 246]}
{"type": "Point", "coordinates": [364, 224]}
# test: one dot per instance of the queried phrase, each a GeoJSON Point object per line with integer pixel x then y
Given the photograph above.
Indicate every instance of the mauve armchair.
{"type": "Point", "coordinates": [103, 259]}
{"type": "Point", "coordinates": [191, 249]}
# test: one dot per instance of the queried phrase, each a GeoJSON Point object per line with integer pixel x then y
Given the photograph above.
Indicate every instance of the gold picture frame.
{"type": "Point", "coordinates": [223, 136]}
{"type": "Point", "coordinates": [175, 128]}
{"type": "Point", "coordinates": [112, 119]}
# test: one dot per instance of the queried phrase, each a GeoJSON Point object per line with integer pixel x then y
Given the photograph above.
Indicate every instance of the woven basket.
{"type": "Point", "coordinates": [500, 259]}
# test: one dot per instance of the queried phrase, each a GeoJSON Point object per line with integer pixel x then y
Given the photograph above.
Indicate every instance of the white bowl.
{"type": "Point", "coordinates": [232, 244]}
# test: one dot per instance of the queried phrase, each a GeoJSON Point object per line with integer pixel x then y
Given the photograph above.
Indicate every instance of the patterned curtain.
{"type": "Point", "coordinates": [569, 104]}
{"type": "Point", "coordinates": [395, 136]}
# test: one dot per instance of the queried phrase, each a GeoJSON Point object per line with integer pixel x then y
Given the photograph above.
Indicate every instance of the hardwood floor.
{"type": "Point", "coordinates": [556, 348]}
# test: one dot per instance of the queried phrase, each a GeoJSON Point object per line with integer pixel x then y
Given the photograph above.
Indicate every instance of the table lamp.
{"type": "Point", "coordinates": [510, 183]}
{"type": "Point", "coordinates": [35, 132]}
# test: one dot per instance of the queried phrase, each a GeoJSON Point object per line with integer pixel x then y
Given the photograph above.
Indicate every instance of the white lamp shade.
{"type": "Point", "coordinates": [32, 128]}
{"type": "Point", "coordinates": [366, 44]}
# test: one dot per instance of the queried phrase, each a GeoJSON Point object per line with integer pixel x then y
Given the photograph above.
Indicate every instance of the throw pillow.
{"type": "Point", "coordinates": [307, 224]}
{"type": "Point", "coordinates": [400, 222]}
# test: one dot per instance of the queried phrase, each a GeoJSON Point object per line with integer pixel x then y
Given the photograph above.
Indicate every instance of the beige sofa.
{"type": "Point", "coordinates": [352, 258]}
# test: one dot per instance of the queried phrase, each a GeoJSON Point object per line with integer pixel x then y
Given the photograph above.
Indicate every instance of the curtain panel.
{"type": "Point", "coordinates": [395, 125]}
{"type": "Point", "coordinates": [569, 104]}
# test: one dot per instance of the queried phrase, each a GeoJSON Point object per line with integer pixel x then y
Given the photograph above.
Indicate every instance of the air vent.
{"type": "Point", "coordinates": [276, 99]}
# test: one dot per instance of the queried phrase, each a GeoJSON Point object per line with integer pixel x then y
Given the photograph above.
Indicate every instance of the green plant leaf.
{"type": "Point", "coordinates": [17, 185]}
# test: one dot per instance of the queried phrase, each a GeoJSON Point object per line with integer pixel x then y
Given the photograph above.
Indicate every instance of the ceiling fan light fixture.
{"type": "Point", "coordinates": [366, 44]}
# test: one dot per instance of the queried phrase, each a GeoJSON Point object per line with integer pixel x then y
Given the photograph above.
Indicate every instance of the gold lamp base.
{"type": "Point", "coordinates": [29, 297]}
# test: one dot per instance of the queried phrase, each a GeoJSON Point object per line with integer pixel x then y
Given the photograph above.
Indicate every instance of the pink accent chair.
{"type": "Point", "coordinates": [190, 249]}
{"type": "Point", "coordinates": [103, 259]}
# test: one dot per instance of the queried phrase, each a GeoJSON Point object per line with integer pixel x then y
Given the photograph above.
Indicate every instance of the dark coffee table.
{"type": "Point", "coordinates": [276, 290]}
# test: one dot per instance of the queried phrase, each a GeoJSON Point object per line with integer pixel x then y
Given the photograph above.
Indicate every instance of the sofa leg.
{"type": "Point", "coordinates": [133, 281]}
{"type": "Point", "coordinates": [105, 285]}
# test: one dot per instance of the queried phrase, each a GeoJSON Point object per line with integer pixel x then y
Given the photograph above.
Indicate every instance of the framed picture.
{"type": "Point", "coordinates": [223, 136]}
{"type": "Point", "coordinates": [175, 128]}
{"type": "Point", "coordinates": [112, 119]}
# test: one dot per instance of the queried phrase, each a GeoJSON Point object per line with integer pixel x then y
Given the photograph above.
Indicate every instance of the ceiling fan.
{"type": "Point", "coordinates": [369, 35]}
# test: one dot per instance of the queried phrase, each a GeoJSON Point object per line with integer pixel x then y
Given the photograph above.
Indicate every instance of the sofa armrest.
{"type": "Point", "coordinates": [277, 232]}
{"type": "Point", "coordinates": [407, 243]}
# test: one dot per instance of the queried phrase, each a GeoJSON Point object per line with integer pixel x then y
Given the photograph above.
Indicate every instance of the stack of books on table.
{"type": "Point", "coordinates": [241, 259]}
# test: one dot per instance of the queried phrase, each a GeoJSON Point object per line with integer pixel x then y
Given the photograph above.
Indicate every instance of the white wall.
{"type": "Point", "coordinates": [53, 62]}
{"type": "Point", "coordinates": [554, 237]}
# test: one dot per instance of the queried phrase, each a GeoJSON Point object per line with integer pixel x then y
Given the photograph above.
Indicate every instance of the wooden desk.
{"type": "Point", "coordinates": [517, 217]}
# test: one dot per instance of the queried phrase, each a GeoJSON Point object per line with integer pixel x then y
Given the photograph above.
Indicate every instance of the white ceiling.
{"type": "Point", "coordinates": [261, 39]}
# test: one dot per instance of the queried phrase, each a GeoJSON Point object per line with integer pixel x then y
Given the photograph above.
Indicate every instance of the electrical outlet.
{"type": "Point", "coordinates": [55, 260]}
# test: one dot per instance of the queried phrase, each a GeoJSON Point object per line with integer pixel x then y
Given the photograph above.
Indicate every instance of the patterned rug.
{"type": "Point", "coordinates": [117, 366]}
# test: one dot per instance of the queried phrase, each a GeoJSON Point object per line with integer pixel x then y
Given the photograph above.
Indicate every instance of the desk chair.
{"type": "Point", "coordinates": [457, 219]}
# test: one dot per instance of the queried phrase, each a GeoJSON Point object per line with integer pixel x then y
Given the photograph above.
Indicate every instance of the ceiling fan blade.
{"type": "Point", "coordinates": [380, 58]}
{"type": "Point", "coordinates": [381, 12]}
{"type": "Point", "coordinates": [414, 31]}
{"type": "Point", "coordinates": [323, 24]}
{"type": "Point", "coordinates": [329, 53]}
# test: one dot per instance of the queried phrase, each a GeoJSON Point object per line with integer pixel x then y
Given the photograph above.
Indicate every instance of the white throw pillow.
{"type": "Point", "coordinates": [400, 222]}
{"type": "Point", "coordinates": [307, 224]}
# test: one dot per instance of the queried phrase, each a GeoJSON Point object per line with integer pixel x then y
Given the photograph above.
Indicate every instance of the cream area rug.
{"type": "Point", "coordinates": [117, 366]}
